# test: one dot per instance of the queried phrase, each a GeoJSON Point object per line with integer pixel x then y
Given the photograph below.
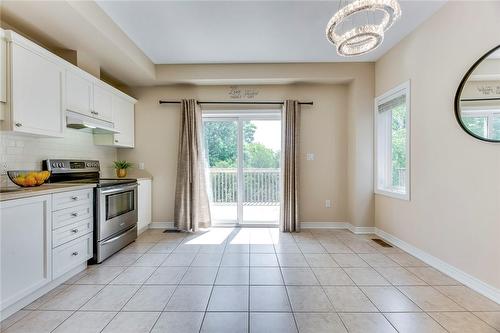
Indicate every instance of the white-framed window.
{"type": "Point", "coordinates": [392, 142]}
{"type": "Point", "coordinates": [484, 122]}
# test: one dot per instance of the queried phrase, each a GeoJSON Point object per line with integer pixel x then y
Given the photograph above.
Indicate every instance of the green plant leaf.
{"type": "Point", "coordinates": [122, 164]}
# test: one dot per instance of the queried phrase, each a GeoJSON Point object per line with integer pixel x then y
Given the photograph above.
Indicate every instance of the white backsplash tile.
{"type": "Point", "coordinates": [20, 152]}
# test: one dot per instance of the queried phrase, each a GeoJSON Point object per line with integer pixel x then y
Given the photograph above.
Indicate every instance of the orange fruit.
{"type": "Point", "coordinates": [20, 180]}
{"type": "Point", "coordinates": [30, 181]}
{"type": "Point", "coordinates": [40, 177]}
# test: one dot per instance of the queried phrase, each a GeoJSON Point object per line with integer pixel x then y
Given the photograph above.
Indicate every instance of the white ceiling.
{"type": "Point", "coordinates": [200, 32]}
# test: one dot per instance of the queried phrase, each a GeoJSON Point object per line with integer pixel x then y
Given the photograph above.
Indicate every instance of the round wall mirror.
{"type": "Point", "coordinates": [477, 102]}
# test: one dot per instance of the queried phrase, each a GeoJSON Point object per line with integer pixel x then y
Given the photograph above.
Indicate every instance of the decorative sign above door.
{"type": "Point", "coordinates": [236, 92]}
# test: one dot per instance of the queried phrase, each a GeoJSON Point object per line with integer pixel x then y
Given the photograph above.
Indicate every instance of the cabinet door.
{"type": "Point", "coordinates": [25, 243]}
{"type": "Point", "coordinates": [3, 69]}
{"type": "Point", "coordinates": [123, 118]}
{"type": "Point", "coordinates": [103, 101]}
{"type": "Point", "coordinates": [37, 88]}
{"type": "Point", "coordinates": [78, 93]}
{"type": "Point", "coordinates": [143, 204]}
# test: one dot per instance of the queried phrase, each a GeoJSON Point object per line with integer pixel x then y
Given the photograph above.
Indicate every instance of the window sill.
{"type": "Point", "coordinates": [393, 194]}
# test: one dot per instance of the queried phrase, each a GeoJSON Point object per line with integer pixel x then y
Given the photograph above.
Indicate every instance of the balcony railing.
{"type": "Point", "coordinates": [261, 186]}
{"type": "Point", "coordinates": [399, 177]}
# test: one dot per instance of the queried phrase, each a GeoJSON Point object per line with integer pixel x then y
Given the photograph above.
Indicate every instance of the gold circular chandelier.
{"type": "Point", "coordinates": [364, 36]}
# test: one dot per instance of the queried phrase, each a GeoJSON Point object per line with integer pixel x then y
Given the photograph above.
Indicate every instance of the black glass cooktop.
{"type": "Point", "coordinates": [100, 182]}
{"type": "Point", "coordinates": [105, 182]}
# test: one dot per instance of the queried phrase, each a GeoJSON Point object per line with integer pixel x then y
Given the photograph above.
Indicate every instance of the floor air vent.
{"type": "Point", "coordinates": [381, 242]}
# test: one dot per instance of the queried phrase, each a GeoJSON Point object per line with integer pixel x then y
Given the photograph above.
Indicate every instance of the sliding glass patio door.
{"type": "Point", "coordinates": [243, 161]}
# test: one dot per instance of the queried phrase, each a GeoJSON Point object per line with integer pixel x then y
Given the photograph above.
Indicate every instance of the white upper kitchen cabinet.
{"type": "Point", "coordinates": [103, 101]}
{"type": "Point", "coordinates": [25, 247]}
{"type": "Point", "coordinates": [123, 120]}
{"type": "Point", "coordinates": [79, 93]}
{"type": "Point", "coordinates": [35, 87]}
{"type": "Point", "coordinates": [123, 117]}
{"type": "Point", "coordinates": [3, 71]}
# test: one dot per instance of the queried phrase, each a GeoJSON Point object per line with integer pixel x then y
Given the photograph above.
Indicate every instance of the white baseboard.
{"type": "Point", "coordinates": [161, 225]}
{"type": "Point", "coordinates": [361, 230]}
{"type": "Point", "coordinates": [337, 225]}
{"type": "Point", "coordinates": [303, 225]}
{"type": "Point", "coordinates": [324, 225]}
{"type": "Point", "coordinates": [459, 275]}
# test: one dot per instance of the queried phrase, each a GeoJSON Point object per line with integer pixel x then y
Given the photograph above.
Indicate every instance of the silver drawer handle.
{"type": "Point", "coordinates": [74, 198]}
{"type": "Point", "coordinates": [74, 253]}
{"type": "Point", "coordinates": [74, 214]}
{"type": "Point", "coordinates": [19, 124]}
{"type": "Point", "coordinates": [74, 231]}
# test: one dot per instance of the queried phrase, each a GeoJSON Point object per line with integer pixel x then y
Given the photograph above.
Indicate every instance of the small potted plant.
{"type": "Point", "coordinates": [121, 168]}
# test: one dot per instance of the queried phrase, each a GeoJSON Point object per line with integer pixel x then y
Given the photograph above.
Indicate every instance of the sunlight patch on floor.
{"type": "Point", "coordinates": [213, 236]}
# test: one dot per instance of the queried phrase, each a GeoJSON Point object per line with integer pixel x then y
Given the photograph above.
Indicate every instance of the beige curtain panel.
{"type": "Point", "coordinates": [290, 167]}
{"type": "Point", "coordinates": [192, 210]}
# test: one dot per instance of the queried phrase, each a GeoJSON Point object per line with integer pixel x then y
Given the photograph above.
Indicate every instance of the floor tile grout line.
{"type": "Point", "coordinates": [249, 291]}
{"type": "Point", "coordinates": [326, 294]}
{"type": "Point", "coordinates": [286, 289]}
{"type": "Point", "coordinates": [474, 314]}
{"type": "Point", "coordinates": [173, 292]}
{"type": "Point", "coordinates": [100, 290]}
{"type": "Point", "coordinates": [133, 293]}
{"type": "Point", "coordinates": [139, 288]}
{"type": "Point", "coordinates": [394, 286]}
{"type": "Point", "coordinates": [212, 290]}
{"type": "Point", "coordinates": [176, 287]}
{"type": "Point", "coordinates": [397, 286]}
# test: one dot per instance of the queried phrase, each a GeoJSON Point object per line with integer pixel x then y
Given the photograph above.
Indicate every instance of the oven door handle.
{"type": "Point", "coordinates": [117, 237]}
{"type": "Point", "coordinates": [119, 189]}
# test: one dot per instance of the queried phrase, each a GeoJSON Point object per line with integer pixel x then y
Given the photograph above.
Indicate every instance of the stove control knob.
{"type": "Point", "coordinates": [88, 164]}
{"type": "Point", "coordinates": [54, 164]}
{"type": "Point", "coordinates": [61, 164]}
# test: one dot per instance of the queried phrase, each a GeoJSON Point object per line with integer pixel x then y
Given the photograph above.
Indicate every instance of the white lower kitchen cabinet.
{"type": "Point", "coordinates": [26, 247]}
{"type": "Point", "coordinates": [144, 205]}
{"type": "Point", "coordinates": [44, 240]}
{"type": "Point", "coordinates": [69, 255]}
{"type": "Point", "coordinates": [72, 227]}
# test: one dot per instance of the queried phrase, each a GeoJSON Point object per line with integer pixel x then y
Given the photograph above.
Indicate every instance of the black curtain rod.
{"type": "Point", "coordinates": [480, 99]}
{"type": "Point", "coordinates": [235, 102]}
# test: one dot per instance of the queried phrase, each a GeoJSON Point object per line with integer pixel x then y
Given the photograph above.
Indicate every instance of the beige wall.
{"type": "Point", "coordinates": [454, 212]}
{"type": "Point", "coordinates": [359, 78]}
{"type": "Point", "coordinates": [323, 132]}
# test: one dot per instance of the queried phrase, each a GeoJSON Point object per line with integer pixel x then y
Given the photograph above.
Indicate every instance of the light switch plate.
{"type": "Point", "coordinates": [328, 203]}
{"type": "Point", "coordinates": [141, 165]}
{"type": "Point", "coordinates": [310, 156]}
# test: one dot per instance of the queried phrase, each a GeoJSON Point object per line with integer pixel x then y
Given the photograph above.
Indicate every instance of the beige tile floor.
{"type": "Point", "coordinates": [259, 280]}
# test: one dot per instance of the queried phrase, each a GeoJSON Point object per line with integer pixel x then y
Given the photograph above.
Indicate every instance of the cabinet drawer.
{"type": "Point", "coordinates": [71, 215]}
{"type": "Point", "coordinates": [72, 199]}
{"type": "Point", "coordinates": [72, 231]}
{"type": "Point", "coordinates": [71, 254]}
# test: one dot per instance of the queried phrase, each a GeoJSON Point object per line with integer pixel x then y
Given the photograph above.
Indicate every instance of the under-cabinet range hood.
{"type": "Point", "coordinates": [80, 121]}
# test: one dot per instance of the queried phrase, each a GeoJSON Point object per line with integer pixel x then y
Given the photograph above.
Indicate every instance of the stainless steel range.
{"type": "Point", "coordinates": [115, 203]}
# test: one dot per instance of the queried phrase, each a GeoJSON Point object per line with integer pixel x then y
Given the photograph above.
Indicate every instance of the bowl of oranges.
{"type": "Point", "coordinates": [28, 178]}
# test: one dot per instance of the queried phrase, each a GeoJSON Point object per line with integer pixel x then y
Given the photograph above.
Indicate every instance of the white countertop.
{"type": "Point", "coordinates": [26, 192]}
